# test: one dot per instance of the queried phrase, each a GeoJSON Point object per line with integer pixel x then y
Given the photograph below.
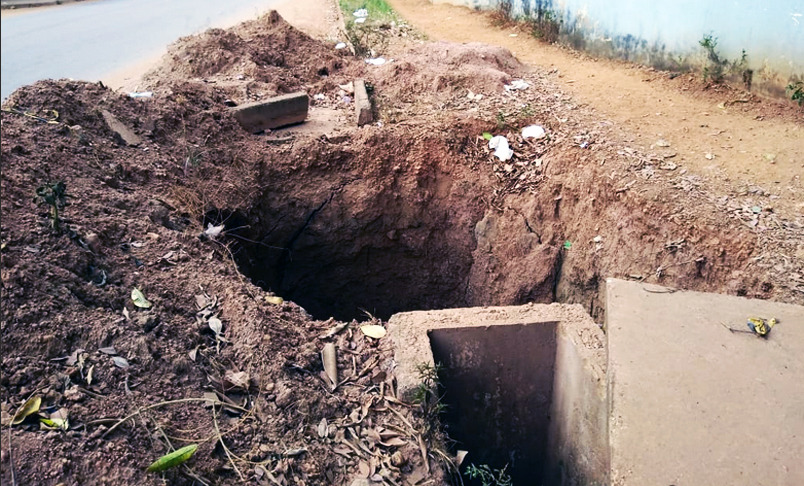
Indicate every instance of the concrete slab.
{"type": "Point", "coordinates": [539, 368]}
{"type": "Point", "coordinates": [279, 111]}
{"type": "Point", "coordinates": [692, 403]}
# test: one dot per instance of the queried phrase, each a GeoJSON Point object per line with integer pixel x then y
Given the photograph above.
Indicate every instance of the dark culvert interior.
{"type": "Point", "coordinates": [497, 384]}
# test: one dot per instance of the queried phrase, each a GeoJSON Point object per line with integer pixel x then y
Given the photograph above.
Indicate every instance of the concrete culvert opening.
{"type": "Point", "coordinates": [497, 385]}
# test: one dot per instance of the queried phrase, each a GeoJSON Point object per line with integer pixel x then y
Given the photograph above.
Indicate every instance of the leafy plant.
{"type": "Point", "coordinates": [545, 25]}
{"type": "Point", "coordinates": [715, 65]}
{"type": "Point", "coordinates": [489, 476]}
{"type": "Point", "coordinates": [54, 195]}
{"type": "Point", "coordinates": [796, 91]}
{"type": "Point", "coordinates": [426, 394]}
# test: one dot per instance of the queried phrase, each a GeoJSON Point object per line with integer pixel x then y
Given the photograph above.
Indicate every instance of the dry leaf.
{"type": "Point", "coordinates": [216, 325]}
{"type": "Point", "coordinates": [395, 442]}
{"type": "Point", "coordinates": [30, 407]}
{"type": "Point", "coordinates": [239, 379]}
{"type": "Point", "coordinates": [294, 452]}
{"type": "Point", "coordinates": [139, 299]}
{"type": "Point", "coordinates": [330, 358]}
{"type": "Point", "coordinates": [212, 399]}
{"type": "Point", "coordinates": [373, 331]}
{"type": "Point", "coordinates": [126, 314]}
{"type": "Point", "coordinates": [109, 350]}
{"type": "Point", "coordinates": [274, 299]}
{"type": "Point", "coordinates": [459, 457]}
{"type": "Point", "coordinates": [89, 375]}
{"type": "Point", "coordinates": [323, 428]}
{"type": "Point", "coordinates": [193, 354]}
{"type": "Point", "coordinates": [120, 362]}
{"type": "Point", "coordinates": [363, 470]}
{"type": "Point", "coordinates": [333, 331]}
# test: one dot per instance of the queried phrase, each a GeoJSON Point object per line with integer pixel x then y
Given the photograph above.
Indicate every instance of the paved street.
{"type": "Point", "coordinates": [90, 40]}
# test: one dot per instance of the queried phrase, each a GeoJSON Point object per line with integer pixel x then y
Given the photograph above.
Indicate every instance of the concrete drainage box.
{"type": "Point", "coordinates": [524, 386]}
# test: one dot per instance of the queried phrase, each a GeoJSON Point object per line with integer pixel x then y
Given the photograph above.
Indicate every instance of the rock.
{"type": "Point", "coordinates": [362, 104]}
{"type": "Point", "coordinates": [122, 134]}
{"type": "Point", "coordinates": [272, 113]}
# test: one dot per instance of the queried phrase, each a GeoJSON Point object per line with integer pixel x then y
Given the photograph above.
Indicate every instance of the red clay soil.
{"type": "Point", "coordinates": [412, 212]}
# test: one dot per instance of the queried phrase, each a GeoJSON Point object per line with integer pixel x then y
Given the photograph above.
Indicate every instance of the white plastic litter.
{"type": "Point", "coordinates": [533, 131]}
{"type": "Point", "coordinates": [377, 61]}
{"type": "Point", "coordinates": [141, 94]}
{"type": "Point", "coordinates": [340, 45]}
{"type": "Point", "coordinates": [501, 149]}
{"type": "Point", "coordinates": [474, 96]}
{"type": "Point", "coordinates": [361, 13]}
{"type": "Point", "coordinates": [517, 84]}
{"type": "Point", "coordinates": [360, 20]}
{"type": "Point", "coordinates": [319, 96]}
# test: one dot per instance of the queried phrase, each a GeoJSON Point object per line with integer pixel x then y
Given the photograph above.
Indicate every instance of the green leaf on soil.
{"type": "Point", "coordinates": [58, 420]}
{"type": "Point", "coordinates": [29, 408]}
{"type": "Point", "coordinates": [487, 136]}
{"type": "Point", "coordinates": [567, 245]}
{"type": "Point", "coordinates": [173, 459]}
{"type": "Point", "coordinates": [139, 299]}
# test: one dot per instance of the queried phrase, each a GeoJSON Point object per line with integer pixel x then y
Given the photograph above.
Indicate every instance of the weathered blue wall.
{"type": "Point", "coordinates": [666, 33]}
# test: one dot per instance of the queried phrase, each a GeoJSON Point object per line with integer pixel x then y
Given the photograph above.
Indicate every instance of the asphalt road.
{"type": "Point", "coordinates": [90, 40]}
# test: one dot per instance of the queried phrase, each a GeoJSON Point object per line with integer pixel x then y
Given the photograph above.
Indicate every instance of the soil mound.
{"type": "Point", "coordinates": [262, 57]}
{"type": "Point", "coordinates": [441, 68]}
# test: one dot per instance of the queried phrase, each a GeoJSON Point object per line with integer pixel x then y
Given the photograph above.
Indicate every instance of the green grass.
{"type": "Point", "coordinates": [378, 10]}
{"type": "Point", "coordinates": [369, 38]}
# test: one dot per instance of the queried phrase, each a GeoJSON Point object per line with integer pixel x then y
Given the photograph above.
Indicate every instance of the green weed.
{"type": "Point", "coordinates": [53, 194]}
{"type": "Point", "coordinates": [796, 91]}
{"type": "Point", "coordinates": [427, 398]}
{"type": "Point", "coordinates": [545, 26]}
{"type": "Point", "coordinates": [489, 476]}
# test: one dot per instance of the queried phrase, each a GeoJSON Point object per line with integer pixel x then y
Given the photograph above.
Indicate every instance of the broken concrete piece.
{"type": "Point", "coordinates": [272, 113]}
{"type": "Point", "coordinates": [362, 104]}
{"type": "Point", "coordinates": [122, 134]}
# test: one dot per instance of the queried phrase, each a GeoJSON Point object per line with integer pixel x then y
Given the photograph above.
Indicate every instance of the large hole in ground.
{"type": "Point", "coordinates": [391, 224]}
{"type": "Point", "coordinates": [497, 385]}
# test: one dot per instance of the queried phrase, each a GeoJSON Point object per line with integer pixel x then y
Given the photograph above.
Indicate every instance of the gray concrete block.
{"type": "Point", "coordinates": [362, 104]}
{"type": "Point", "coordinates": [273, 113]}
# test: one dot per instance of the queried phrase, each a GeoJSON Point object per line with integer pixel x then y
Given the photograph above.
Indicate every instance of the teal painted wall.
{"type": "Point", "coordinates": [666, 34]}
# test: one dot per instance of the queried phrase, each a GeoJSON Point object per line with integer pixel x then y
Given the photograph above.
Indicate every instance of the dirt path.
{"type": "Point", "coordinates": [757, 143]}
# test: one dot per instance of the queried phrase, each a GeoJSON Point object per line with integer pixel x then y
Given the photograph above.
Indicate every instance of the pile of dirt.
{"type": "Point", "coordinates": [210, 223]}
{"type": "Point", "coordinates": [438, 69]}
{"type": "Point", "coordinates": [256, 59]}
